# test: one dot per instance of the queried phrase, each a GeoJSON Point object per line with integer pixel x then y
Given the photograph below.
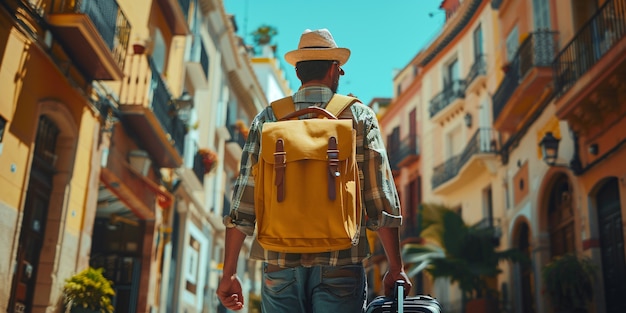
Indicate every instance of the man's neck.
{"type": "Point", "coordinates": [315, 83]}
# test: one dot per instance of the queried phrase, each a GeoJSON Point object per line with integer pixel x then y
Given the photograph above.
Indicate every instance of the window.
{"type": "Point", "coordinates": [512, 43]}
{"type": "Point", "coordinates": [451, 73]}
{"type": "Point", "coordinates": [488, 205]}
{"type": "Point", "coordinates": [478, 42]}
{"type": "Point", "coordinates": [413, 127]}
{"type": "Point", "coordinates": [3, 124]}
{"type": "Point", "coordinates": [541, 14]}
{"type": "Point", "coordinates": [454, 142]}
{"type": "Point", "coordinates": [159, 52]}
{"type": "Point", "coordinates": [193, 260]}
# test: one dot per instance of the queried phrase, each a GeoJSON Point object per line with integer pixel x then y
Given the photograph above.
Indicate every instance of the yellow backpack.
{"type": "Point", "coordinates": [307, 193]}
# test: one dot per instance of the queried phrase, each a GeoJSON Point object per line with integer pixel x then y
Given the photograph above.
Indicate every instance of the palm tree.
{"type": "Point", "coordinates": [465, 254]}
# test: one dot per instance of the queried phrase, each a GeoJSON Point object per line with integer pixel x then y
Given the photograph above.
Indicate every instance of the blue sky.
{"type": "Point", "coordinates": [383, 36]}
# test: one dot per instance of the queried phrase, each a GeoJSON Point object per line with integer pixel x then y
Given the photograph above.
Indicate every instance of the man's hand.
{"type": "Point", "coordinates": [389, 282]}
{"type": "Point", "coordinates": [230, 294]}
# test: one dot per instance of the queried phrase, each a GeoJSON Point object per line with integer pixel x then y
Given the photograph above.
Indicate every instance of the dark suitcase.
{"type": "Point", "coordinates": [421, 304]}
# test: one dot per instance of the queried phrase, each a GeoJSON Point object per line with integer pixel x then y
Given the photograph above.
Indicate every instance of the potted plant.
{"type": "Point", "coordinates": [466, 254]}
{"type": "Point", "coordinates": [139, 46]}
{"type": "Point", "coordinates": [242, 128]}
{"type": "Point", "coordinates": [88, 291]}
{"type": "Point", "coordinates": [264, 34]}
{"type": "Point", "coordinates": [209, 159]}
{"type": "Point", "coordinates": [568, 281]}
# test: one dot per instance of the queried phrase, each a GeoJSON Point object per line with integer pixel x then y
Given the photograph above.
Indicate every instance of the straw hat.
{"type": "Point", "coordinates": [317, 45]}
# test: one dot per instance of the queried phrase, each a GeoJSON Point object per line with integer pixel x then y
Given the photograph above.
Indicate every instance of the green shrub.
{"type": "Point", "coordinates": [89, 289]}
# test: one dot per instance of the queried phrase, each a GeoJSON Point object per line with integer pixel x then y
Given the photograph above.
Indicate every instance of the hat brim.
{"type": "Point", "coordinates": [313, 54]}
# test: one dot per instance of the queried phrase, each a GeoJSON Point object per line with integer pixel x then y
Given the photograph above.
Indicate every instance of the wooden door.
{"type": "Point", "coordinates": [34, 220]}
{"type": "Point", "coordinates": [612, 247]}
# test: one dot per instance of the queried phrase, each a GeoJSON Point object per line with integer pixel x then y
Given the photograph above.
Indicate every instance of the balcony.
{"type": "Point", "coordinates": [526, 83]}
{"type": "Point", "coordinates": [477, 75]}
{"type": "Point", "coordinates": [448, 100]}
{"type": "Point", "coordinates": [487, 223]}
{"type": "Point", "coordinates": [406, 152]}
{"type": "Point", "coordinates": [236, 135]}
{"type": "Point", "coordinates": [479, 155]}
{"type": "Point", "coordinates": [95, 34]}
{"type": "Point", "coordinates": [176, 13]}
{"type": "Point", "coordinates": [147, 106]}
{"type": "Point", "coordinates": [590, 69]}
{"type": "Point", "coordinates": [198, 64]}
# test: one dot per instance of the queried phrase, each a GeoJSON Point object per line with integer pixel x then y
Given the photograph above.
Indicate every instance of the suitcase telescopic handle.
{"type": "Point", "coordinates": [399, 295]}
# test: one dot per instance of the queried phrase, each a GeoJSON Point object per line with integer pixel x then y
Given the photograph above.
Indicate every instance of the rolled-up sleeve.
{"type": "Point", "coordinates": [242, 205]}
{"type": "Point", "coordinates": [379, 191]}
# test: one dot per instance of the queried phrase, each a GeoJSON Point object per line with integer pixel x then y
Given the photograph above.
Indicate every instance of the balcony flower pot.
{"type": "Point", "coordinates": [209, 159]}
{"type": "Point", "coordinates": [242, 128]}
{"type": "Point", "coordinates": [139, 48]}
{"type": "Point", "coordinates": [506, 67]}
{"type": "Point", "coordinates": [88, 291]}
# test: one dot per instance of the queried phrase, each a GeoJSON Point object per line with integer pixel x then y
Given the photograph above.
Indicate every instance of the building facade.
{"type": "Point", "coordinates": [502, 82]}
{"type": "Point", "coordinates": [117, 138]}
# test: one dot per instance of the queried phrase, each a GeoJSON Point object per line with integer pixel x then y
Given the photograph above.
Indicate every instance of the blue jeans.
{"type": "Point", "coordinates": [318, 289]}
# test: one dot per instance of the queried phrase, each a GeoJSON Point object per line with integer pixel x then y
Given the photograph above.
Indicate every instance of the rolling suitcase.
{"type": "Point", "coordinates": [400, 304]}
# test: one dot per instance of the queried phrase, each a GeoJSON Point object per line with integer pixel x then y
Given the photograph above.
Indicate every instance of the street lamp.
{"type": "Point", "coordinates": [549, 148]}
{"type": "Point", "coordinates": [550, 152]}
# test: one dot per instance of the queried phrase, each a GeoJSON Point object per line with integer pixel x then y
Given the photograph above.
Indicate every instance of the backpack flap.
{"type": "Point", "coordinates": [308, 172]}
{"type": "Point", "coordinates": [306, 139]}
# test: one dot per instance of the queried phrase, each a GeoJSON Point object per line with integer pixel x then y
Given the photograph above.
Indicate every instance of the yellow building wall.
{"type": "Point", "coordinates": [27, 80]}
{"type": "Point", "coordinates": [14, 154]}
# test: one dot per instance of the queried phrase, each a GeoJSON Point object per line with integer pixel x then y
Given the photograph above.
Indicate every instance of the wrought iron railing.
{"type": "Point", "coordinates": [484, 141]}
{"type": "Point", "coordinates": [537, 50]}
{"type": "Point", "coordinates": [109, 20]}
{"type": "Point", "coordinates": [492, 225]}
{"type": "Point", "coordinates": [452, 91]}
{"type": "Point", "coordinates": [446, 171]}
{"type": "Point", "coordinates": [478, 68]}
{"type": "Point", "coordinates": [605, 28]}
{"type": "Point", "coordinates": [409, 146]}
{"type": "Point", "coordinates": [485, 222]}
{"type": "Point", "coordinates": [198, 167]}
{"type": "Point", "coordinates": [236, 135]}
{"type": "Point", "coordinates": [165, 110]}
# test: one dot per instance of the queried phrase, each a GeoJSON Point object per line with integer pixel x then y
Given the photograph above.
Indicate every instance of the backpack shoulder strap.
{"type": "Point", "coordinates": [282, 107]}
{"type": "Point", "coordinates": [338, 103]}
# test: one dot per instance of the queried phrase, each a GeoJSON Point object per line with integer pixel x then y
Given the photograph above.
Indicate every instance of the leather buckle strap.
{"type": "Point", "coordinates": [333, 166]}
{"type": "Point", "coordinates": [280, 163]}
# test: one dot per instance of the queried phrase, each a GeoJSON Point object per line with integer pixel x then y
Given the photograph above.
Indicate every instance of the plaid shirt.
{"type": "Point", "coordinates": [380, 198]}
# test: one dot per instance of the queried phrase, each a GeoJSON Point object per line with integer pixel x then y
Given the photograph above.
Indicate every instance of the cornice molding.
{"type": "Point", "coordinates": [445, 39]}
